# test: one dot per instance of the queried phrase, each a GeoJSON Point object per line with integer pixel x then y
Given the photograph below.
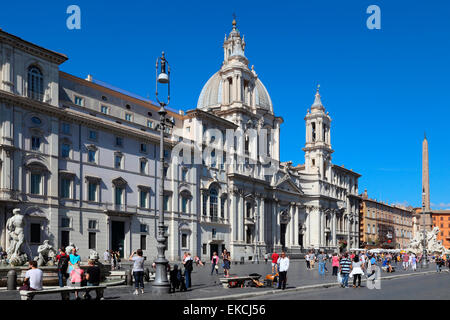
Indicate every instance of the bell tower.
{"type": "Point", "coordinates": [318, 140]}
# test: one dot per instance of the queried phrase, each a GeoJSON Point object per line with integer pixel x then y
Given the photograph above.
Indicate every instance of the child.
{"type": "Point", "coordinates": [76, 276]}
{"type": "Point", "coordinates": [174, 279]}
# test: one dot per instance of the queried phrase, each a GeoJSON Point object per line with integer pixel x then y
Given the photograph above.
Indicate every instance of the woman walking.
{"type": "Point", "coordinates": [357, 271]}
{"type": "Point", "coordinates": [138, 270]}
{"type": "Point", "coordinates": [215, 263]}
{"type": "Point", "coordinates": [335, 264]}
{"type": "Point", "coordinates": [226, 263]}
{"type": "Point", "coordinates": [112, 256]}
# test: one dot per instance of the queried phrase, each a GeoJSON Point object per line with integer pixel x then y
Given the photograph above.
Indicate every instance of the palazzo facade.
{"type": "Point", "coordinates": [80, 159]}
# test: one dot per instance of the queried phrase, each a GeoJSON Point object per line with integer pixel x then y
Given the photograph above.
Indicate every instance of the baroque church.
{"type": "Point", "coordinates": [80, 159]}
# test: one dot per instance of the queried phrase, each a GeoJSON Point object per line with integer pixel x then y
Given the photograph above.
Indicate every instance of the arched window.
{"type": "Point", "coordinates": [35, 83]}
{"type": "Point", "coordinates": [213, 203]}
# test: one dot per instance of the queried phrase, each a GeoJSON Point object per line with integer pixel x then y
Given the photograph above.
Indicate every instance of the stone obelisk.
{"type": "Point", "coordinates": [427, 220]}
{"type": "Point", "coordinates": [425, 175]}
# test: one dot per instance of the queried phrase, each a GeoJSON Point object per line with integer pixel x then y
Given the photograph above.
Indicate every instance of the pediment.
{"type": "Point", "coordinates": [286, 184]}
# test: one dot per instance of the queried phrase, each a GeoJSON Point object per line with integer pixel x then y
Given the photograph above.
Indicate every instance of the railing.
{"type": "Point", "coordinates": [213, 219]}
{"type": "Point", "coordinates": [216, 236]}
{"type": "Point", "coordinates": [35, 95]}
{"type": "Point", "coordinates": [120, 208]}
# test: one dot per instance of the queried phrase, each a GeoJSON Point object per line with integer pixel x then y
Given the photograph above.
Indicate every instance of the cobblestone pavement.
{"type": "Point", "coordinates": [205, 285]}
{"type": "Point", "coordinates": [419, 287]}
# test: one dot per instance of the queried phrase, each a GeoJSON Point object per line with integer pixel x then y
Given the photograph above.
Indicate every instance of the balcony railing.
{"type": "Point", "coordinates": [213, 219]}
{"type": "Point", "coordinates": [219, 236]}
{"type": "Point", "coordinates": [120, 208]}
{"type": "Point", "coordinates": [35, 95]}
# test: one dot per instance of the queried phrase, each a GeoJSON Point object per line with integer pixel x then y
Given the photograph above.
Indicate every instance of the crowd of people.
{"type": "Point", "coordinates": [69, 273]}
{"type": "Point", "coordinates": [344, 266]}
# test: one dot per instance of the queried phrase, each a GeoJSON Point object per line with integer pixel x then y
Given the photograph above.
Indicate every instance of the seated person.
{"type": "Point", "coordinates": [93, 276]}
{"type": "Point", "coordinates": [33, 278]}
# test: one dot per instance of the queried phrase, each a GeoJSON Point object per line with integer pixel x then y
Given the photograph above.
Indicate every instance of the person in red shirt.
{"type": "Point", "coordinates": [63, 262]}
{"type": "Point", "coordinates": [275, 257]}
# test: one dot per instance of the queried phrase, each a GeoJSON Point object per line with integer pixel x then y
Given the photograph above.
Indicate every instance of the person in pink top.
{"type": "Point", "coordinates": [215, 263]}
{"type": "Point", "coordinates": [335, 264]}
{"type": "Point", "coordinates": [76, 276]}
{"type": "Point", "coordinates": [405, 261]}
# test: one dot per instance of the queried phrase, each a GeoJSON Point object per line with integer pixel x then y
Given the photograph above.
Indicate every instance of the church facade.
{"type": "Point", "coordinates": [80, 159]}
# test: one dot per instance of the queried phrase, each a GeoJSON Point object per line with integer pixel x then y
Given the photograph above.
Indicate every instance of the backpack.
{"type": "Point", "coordinates": [188, 265]}
{"type": "Point", "coordinates": [63, 263]}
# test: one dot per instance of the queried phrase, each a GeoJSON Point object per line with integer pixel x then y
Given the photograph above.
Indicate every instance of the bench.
{"type": "Point", "coordinates": [65, 292]}
{"type": "Point", "coordinates": [226, 282]}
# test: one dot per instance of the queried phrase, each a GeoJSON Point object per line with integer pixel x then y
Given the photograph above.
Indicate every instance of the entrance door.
{"type": "Point", "coordinates": [118, 236]}
{"type": "Point", "coordinates": [213, 247]}
{"type": "Point", "coordinates": [283, 235]}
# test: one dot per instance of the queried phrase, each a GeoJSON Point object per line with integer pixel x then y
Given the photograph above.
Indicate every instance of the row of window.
{"type": "Point", "coordinates": [106, 110]}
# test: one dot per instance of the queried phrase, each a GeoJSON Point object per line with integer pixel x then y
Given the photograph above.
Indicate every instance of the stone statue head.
{"type": "Point", "coordinates": [16, 211]}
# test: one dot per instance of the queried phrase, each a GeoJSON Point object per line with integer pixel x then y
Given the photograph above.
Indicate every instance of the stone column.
{"type": "Point", "coordinates": [273, 227]}
{"type": "Point", "coordinates": [239, 88]}
{"type": "Point", "coordinates": [308, 228]}
{"type": "Point", "coordinates": [241, 218]}
{"type": "Point", "coordinates": [333, 223]}
{"type": "Point", "coordinates": [233, 215]}
{"type": "Point", "coordinates": [296, 222]}
{"type": "Point", "coordinates": [292, 223]}
{"type": "Point", "coordinates": [262, 231]}
{"type": "Point", "coordinates": [278, 224]}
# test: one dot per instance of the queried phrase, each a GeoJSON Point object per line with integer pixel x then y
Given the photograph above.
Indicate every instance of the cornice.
{"type": "Point", "coordinates": [32, 48]}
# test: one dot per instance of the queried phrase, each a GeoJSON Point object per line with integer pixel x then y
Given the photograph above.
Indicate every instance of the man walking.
{"type": "Point", "coordinates": [321, 260]}
{"type": "Point", "coordinates": [405, 261]}
{"type": "Point", "coordinates": [188, 270]}
{"type": "Point", "coordinates": [284, 266]}
{"type": "Point", "coordinates": [344, 267]}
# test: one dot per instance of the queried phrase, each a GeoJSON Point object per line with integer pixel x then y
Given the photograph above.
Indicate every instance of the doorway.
{"type": "Point", "coordinates": [118, 237]}
{"type": "Point", "coordinates": [283, 235]}
{"type": "Point", "coordinates": [213, 247]}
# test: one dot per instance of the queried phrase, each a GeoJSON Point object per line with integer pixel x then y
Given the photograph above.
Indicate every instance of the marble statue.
{"type": "Point", "coordinates": [46, 254]}
{"type": "Point", "coordinates": [70, 247]}
{"type": "Point", "coordinates": [432, 244]}
{"type": "Point", "coordinates": [16, 236]}
{"type": "Point", "coordinates": [93, 255]}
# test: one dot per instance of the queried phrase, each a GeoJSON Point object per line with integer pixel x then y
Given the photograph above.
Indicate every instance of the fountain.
{"type": "Point", "coordinates": [432, 244]}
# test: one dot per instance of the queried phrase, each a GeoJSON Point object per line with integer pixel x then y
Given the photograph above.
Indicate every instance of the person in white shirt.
{"type": "Point", "coordinates": [283, 262]}
{"type": "Point", "coordinates": [33, 277]}
{"type": "Point", "coordinates": [106, 256]}
{"type": "Point", "coordinates": [307, 261]}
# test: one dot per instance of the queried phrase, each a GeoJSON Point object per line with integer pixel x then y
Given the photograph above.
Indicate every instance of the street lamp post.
{"type": "Point", "coordinates": [424, 240]}
{"type": "Point", "coordinates": [161, 283]}
{"type": "Point", "coordinates": [256, 234]}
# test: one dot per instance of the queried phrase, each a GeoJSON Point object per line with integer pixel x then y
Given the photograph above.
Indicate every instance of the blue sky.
{"type": "Point", "coordinates": [383, 88]}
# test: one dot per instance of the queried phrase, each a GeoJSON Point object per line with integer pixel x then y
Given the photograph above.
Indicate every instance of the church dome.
{"type": "Point", "coordinates": [211, 94]}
